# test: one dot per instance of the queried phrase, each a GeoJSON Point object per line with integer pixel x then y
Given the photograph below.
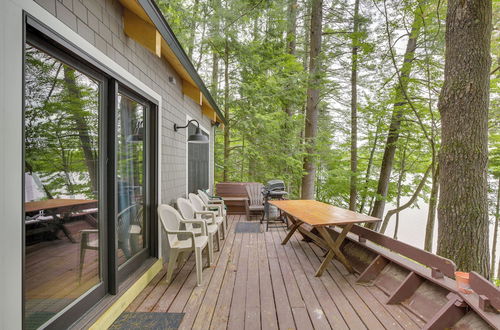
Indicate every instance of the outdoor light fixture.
{"type": "Point", "coordinates": [197, 137]}
{"type": "Point", "coordinates": [137, 136]}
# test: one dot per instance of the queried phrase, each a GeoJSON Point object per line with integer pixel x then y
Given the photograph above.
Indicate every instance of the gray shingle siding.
{"type": "Point", "coordinates": [100, 23]}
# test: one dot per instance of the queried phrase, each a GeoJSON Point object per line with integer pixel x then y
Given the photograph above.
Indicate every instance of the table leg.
{"type": "Point", "coordinates": [65, 231]}
{"type": "Point", "coordinates": [334, 249]}
{"type": "Point", "coordinates": [294, 227]}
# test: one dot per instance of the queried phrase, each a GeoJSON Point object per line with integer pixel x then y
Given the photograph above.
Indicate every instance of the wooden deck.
{"type": "Point", "coordinates": [258, 283]}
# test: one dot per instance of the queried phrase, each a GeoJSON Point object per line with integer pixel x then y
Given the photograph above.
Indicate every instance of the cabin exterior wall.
{"type": "Point", "coordinates": [98, 22]}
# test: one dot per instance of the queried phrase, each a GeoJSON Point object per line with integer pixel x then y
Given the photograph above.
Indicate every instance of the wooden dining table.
{"type": "Point", "coordinates": [60, 209]}
{"type": "Point", "coordinates": [319, 216]}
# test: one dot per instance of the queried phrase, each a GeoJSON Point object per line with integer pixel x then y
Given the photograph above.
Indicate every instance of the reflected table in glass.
{"type": "Point", "coordinates": [60, 210]}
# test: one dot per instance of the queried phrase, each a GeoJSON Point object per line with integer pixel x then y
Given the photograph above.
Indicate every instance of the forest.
{"type": "Point", "coordinates": [373, 105]}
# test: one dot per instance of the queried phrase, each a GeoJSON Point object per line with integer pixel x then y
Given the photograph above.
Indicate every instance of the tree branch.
{"type": "Point", "coordinates": [410, 202]}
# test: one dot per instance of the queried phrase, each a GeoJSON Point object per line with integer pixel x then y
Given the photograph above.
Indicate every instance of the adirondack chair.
{"type": "Point", "coordinates": [256, 199]}
{"type": "Point", "coordinates": [171, 221]}
{"type": "Point", "coordinates": [189, 213]}
{"type": "Point", "coordinates": [200, 207]}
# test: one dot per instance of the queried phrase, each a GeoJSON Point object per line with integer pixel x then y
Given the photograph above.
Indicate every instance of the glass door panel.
{"type": "Point", "coordinates": [130, 176]}
{"type": "Point", "coordinates": [62, 110]}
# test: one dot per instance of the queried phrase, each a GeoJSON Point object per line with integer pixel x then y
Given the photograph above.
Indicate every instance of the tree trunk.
{"type": "Point", "coordinates": [353, 189]}
{"type": "Point", "coordinates": [226, 111]}
{"type": "Point", "coordinates": [431, 215]}
{"type": "Point", "coordinates": [369, 168]}
{"type": "Point", "coordinates": [292, 27]}
{"type": "Point", "coordinates": [192, 29]}
{"type": "Point", "coordinates": [311, 125]}
{"type": "Point", "coordinates": [397, 115]}
{"type": "Point", "coordinates": [81, 126]}
{"type": "Point", "coordinates": [463, 105]}
{"type": "Point", "coordinates": [291, 38]}
{"type": "Point", "coordinates": [305, 63]}
{"type": "Point", "coordinates": [215, 54]}
{"type": "Point", "coordinates": [495, 235]}
{"type": "Point", "coordinates": [198, 62]}
{"type": "Point", "coordinates": [401, 176]}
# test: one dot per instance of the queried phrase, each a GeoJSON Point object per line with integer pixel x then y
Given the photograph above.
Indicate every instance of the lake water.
{"type": "Point", "coordinates": [412, 224]}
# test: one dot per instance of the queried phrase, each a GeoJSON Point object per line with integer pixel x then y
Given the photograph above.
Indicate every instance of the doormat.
{"type": "Point", "coordinates": [247, 227]}
{"type": "Point", "coordinates": [139, 321]}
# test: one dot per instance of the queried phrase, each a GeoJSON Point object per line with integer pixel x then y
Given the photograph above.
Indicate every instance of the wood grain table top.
{"type": "Point", "coordinates": [51, 204]}
{"type": "Point", "coordinates": [317, 213]}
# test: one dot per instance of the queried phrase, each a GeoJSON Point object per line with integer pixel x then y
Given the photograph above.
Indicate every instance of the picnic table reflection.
{"type": "Point", "coordinates": [52, 214]}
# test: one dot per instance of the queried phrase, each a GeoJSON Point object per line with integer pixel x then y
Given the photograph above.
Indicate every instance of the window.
{"type": "Point", "coordinates": [89, 186]}
{"type": "Point", "coordinates": [62, 191]}
{"type": "Point", "coordinates": [130, 174]}
{"type": "Point", "coordinates": [198, 163]}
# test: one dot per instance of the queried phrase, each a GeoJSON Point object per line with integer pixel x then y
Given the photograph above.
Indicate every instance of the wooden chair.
{"type": "Point", "coordinates": [189, 213]}
{"type": "Point", "coordinates": [171, 221]}
{"type": "Point", "coordinates": [256, 199]}
{"type": "Point", "coordinates": [200, 208]}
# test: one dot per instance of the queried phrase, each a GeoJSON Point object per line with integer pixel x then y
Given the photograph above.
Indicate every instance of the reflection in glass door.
{"type": "Point", "coordinates": [61, 193]}
{"type": "Point", "coordinates": [130, 176]}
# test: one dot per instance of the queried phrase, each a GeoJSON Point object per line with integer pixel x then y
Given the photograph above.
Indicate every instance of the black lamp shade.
{"type": "Point", "coordinates": [197, 137]}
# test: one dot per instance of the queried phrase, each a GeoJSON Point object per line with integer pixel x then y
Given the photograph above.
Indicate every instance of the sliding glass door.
{"type": "Point", "coordinates": [62, 191]}
{"type": "Point", "coordinates": [89, 184]}
{"type": "Point", "coordinates": [130, 176]}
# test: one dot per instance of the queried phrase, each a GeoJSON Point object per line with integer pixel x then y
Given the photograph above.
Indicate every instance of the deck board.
{"type": "Point", "coordinates": [194, 303]}
{"type": "Point", "coordinates": [283, 309]}
{"type": "Point", "coordinates": [320, 305]}
{"type": "Point", "coordinates": [221, 314]}
{"type": "Point", "coordinates": [348, 312]}
{"type": "Point", "coordinates": [208, 304]}
{"type": "Point", "coordinates": [252, 304]}
{"type": "Point", "coordinates": [267, 307]}
{"type": "Point", "coordinates": [238, 302]}
{"type": "Point", "coordinates": [257, 283]}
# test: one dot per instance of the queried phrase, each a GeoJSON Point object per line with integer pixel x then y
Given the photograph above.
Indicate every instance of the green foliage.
{"type": "Point", "coordinates": [265, 81]}
{"type": "Point", "coordinates": [59, 101]}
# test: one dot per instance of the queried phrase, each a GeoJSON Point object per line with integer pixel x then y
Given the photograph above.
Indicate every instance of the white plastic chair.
{"type": "Point", "coordinates": [189, 213]}
{"type": "Point", "coordinates": [171, 221]}
{"type": "Point", "coordinates": [214, 204]}
{"type": "Point", "coordinates": [202, 209]}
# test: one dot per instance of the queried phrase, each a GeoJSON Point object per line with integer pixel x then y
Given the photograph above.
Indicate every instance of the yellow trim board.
{"type": "Point", "coordinates": [141, 31]}
{"type": "Point", "coordinates": [119, 306]}
{"type": "Point", "coordinates": [192, 91]}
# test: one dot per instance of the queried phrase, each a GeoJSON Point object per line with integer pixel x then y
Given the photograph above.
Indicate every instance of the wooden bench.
{"type": "Point", "coordinates": [236, 190]}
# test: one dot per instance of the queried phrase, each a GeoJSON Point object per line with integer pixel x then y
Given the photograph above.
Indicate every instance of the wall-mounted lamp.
{"type": "Point", "coordinates": [197, 137]}
{"type": "Point", "coordinates": [138, 134]}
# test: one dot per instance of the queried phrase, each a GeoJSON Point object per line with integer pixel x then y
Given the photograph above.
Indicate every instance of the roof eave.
{"type": "Point", "coordinates": [166, 32]}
